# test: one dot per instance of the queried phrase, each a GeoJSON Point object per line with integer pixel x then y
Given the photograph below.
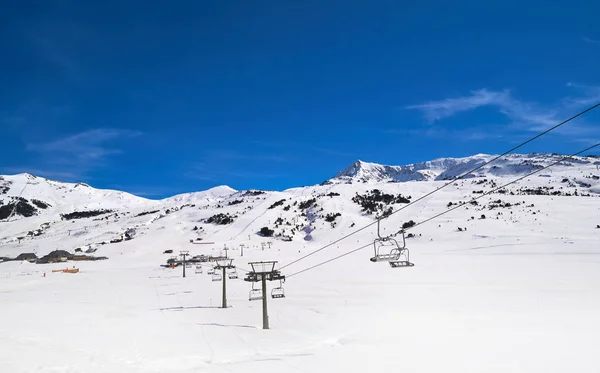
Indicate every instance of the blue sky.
{"type": "Point", "coordinates": [158, 98]}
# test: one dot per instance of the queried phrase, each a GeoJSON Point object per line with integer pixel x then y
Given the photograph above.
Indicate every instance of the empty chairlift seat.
{"type": "Point", "coordinates": [387, 249]}
{"type": "Point", "coordinates": [255, 294]}
{"type": "Point", "coordinates": [217, 276]}
{"type": "Point", "coordinates": [278, 292]}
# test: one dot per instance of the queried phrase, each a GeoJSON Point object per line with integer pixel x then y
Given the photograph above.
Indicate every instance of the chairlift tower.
{"type": "Point", "coordinates": [261, 272]}
{"type": "Point", "coordinates": [224, 264]}
{"type": "Point", "coordinates": [183, 254]}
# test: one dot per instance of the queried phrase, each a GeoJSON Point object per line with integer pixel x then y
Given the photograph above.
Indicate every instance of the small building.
{"type": "Point", "coordinates": [56, 256]}
{"type": "Point", "coordinates": [30, 257]}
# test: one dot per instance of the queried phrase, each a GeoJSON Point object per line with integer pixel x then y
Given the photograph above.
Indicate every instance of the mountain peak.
{"type": "Point", "coordinates": [447, 168]}
{"type": "Point", "coordinates": [213, 193]}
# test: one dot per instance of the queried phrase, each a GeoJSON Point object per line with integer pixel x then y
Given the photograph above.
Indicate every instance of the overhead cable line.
{"type": "Point", "coordinates": [17, 202]}
{"type": "Point", "coordinates": [447, 184]}
{"type": "Point", "coordinates": [502, 186]}
{"type": "Point", "coordinates": [453, 208]}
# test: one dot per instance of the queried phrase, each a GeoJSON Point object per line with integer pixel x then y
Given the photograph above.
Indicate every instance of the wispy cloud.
{"type": "Point", "coordinates": [517, 110]}
{"type": "Point", "coordinates": [85, 146]}
{"type": "Point", "coordinates": [72, 157]}
{"type": "Point", "coordinates": [590, 40]}
{"type": "Point", "coordinates": [436, 110]}
{"type": "Point", "coordinates": [524, 116]}
{"type": "Point", "coordinates": [13, 120]}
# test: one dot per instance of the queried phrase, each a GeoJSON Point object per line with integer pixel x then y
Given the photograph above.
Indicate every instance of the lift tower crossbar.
{"type": "Point", "coordinates": [263, 272]}
{"type": "Point", "coordinates": [224, 264]}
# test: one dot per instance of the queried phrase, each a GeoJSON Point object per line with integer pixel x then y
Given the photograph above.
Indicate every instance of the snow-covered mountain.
{"type": "Point", "coordinates": [51, 199]}
{"type": "Point", "coordinates": [516, 265]}
{"type": "Point", "coordinates": [204, 196]}
{"type": "Point", "coordinates": [449, 168]}
{"type": "Point", "coordinates": [39, 195]}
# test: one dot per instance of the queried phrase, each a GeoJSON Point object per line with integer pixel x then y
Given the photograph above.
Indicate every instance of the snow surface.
{"type": "Point", "coordinates": [516, 291]}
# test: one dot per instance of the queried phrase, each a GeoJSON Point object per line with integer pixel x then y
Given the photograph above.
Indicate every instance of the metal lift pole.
{"type": "Point", "coordinates": [224, 264]}
{"type": "Point", "coordinates": [264, 302]}
{"type": "Point", "coordinates": [263, 272]}
{"type": "Point", "coordinates": [184, 254]}
{"type": "Point", "coordinates": [224, 288]}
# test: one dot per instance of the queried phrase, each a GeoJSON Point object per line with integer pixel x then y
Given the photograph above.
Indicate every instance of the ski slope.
{"type": "Point", "coordinates": [517, 291]}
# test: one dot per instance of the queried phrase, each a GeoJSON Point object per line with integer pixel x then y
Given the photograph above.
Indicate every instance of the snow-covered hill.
{"type": "Point", "coordinates": [492, 279]}
{"type": "Point", "coordinates": [449, 168]}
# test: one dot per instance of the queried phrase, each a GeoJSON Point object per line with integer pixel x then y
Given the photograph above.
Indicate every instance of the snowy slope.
{"type": "Point", "coordinates": [518, 290]}
{"type": "Point", "coordinates": [204, 196]}
{"type": "Point", "coordinates": [449, 168]}
{"type": "Point", "coordinates": [64, 197]}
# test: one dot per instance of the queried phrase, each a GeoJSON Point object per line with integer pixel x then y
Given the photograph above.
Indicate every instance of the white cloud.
{"type": "Point", "coordinates": [85, 146]}
{"type": "Point", "coordinates": [526, 116]}
{"type": "Point", "coordinates": [71, 158]}
{"type": "Point", "coordinates": [436, 110]}
{"type": "Point", "coordinates": [590, 40]}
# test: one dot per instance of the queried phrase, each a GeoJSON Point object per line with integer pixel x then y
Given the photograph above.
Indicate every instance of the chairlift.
{"type": "Point", "coordinates": [233, 274]}
{"type": "Point", "coordinates": [217, 276]}
{"type": "Point", "coordinates": [255, 294]}
{"type": "Point", "coordinates": [198, 268]}
{"type": "Point", "coordinates": [397, 256]}
{"type": "Point", "coordinates": [278, 292]}
{"type": "Point", "coordinates": [210, 271]}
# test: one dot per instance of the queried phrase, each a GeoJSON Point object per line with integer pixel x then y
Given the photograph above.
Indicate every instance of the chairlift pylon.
{"type": "Point", "coordinates": [397, 256]}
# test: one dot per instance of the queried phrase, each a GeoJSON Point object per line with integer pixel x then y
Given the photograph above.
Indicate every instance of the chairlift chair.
{"type": "Point", "coordinates": [198, 268]}
{"type": "Point", "coordinates": [233, 274]}
{"type": "Point", "coordinates": [210, 271]}
{"type": "Point", "coordinates": [278, 292]}
{"type": "Point", "coordinates": [397, 256]}
{"type": "Point", "coordinates": [255, 294]}
{"type": "Point", "coordinates": [217, 276]}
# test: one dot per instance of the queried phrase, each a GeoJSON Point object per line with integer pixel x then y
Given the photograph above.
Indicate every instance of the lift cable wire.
{"type": "Point", "coordinates": [451, 209]}
{"type": "Point", "coordinates": [17, 202]}
{"type": "Point", "coordinates": [447, 184]}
